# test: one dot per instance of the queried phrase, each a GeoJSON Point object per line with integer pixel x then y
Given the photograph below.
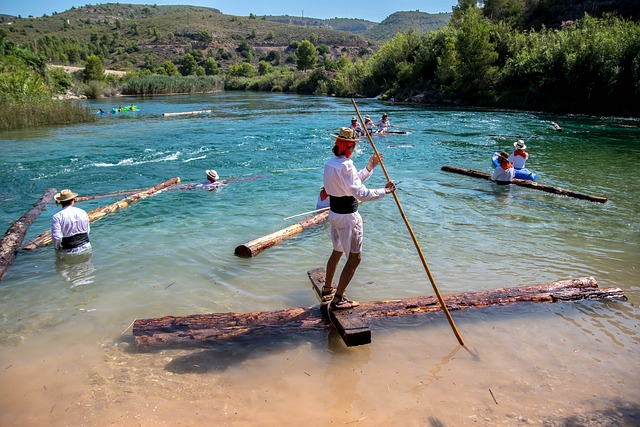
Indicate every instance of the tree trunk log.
{"type": "Point", "coordinates": [525, 183]}
{"type": "Point", "coordinates": [12, 239]}
{"type": "Point", "coordinates": [254, 247]}
{"type": "Point", "coordinates": [197, 330]}
{"type": "Point", "coordinates": [44, 238]}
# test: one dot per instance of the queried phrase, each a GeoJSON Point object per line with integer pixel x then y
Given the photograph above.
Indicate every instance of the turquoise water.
{"type": "Point", "coordinates": [172, 254]}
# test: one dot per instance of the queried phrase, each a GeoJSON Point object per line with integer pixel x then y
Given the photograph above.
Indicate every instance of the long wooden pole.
{"type": "Point", "coordinates": [413, 236]}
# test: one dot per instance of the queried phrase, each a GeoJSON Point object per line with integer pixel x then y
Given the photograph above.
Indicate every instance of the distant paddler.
{"type": "Point", "coordinates": [383, 124]}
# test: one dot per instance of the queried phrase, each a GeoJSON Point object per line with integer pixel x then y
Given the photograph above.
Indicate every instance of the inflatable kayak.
{"type": "Point", "coordinates": [523, 173]}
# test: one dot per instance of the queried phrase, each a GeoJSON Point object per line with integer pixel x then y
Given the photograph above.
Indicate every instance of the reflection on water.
{"type": "Point", "coordinates": [76, 269]}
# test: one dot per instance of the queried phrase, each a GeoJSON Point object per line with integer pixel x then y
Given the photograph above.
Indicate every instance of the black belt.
{"type": "Point", "coordinates": [74, 241]}
{"type": "Point", "coordinates": [343, 205]}
{"type": "Point", "coordinates": [503, 182]}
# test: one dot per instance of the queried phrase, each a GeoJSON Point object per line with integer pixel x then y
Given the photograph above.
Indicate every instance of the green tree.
{"type": "Point", "coordinates": [307, 55]}
{"type": "Point", "coordinates": [93, 69]}
{"type": "Point", "coordinates": [188, 65]}
{"type": "Point", "coordinates": [264, 68]}
{"type": "Point", "coordinates": [211, 67]}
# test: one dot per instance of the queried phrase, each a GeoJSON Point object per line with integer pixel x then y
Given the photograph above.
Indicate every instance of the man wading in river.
{"type": "Point", "coordinates": [345, 186]}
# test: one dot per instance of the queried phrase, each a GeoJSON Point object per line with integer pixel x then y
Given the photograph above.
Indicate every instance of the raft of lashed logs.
{"type": "Point", "coordinates": [200, 329]}
{"type": "Point", "coordinates": [254, 247]}
{"type": "Point", "coordinates": [526, 183]}
{"type": "Point", "coordinates": [14, 236]}
{"type": "Point", "coordinates": [44, 238]}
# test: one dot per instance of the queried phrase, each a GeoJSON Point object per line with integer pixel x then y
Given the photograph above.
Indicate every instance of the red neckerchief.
{"type": "Point", "coordinates": [520, 153]}
{"type": "Point", "coordinates": [323, 194]}
{"type": "Point", "coordinates": [506, 165]}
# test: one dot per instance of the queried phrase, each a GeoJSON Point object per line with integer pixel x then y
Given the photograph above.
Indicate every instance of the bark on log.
{"type": "Point", "coordinates": [525, 183]}
{"type": "Point", "coordinates": [254, 247]}
{"type": "Point", "coordinates": [197, 330]}
{"type": "Point", "coordinates": [104, 196]}
{"type": "Point", "coordinates": [44, 238]}
{"type": "Point", "coordinates": [14, 236]}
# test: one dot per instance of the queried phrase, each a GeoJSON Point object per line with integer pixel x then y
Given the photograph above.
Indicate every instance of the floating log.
{"type": "Point", "coordinates": [104, 196]}
{"type": "Point", "coordinates": [12, 239]}
{"type": "Point", "coordinates": [44, 238]}
{"type": "Point", "coordinates": [185, 113]}
{"type": "Point", "coordinates": [525, 183]}
{"type": "Point", "coordinates": [200, 329]}
{"type": "Point", "coordinates": [254, 247]}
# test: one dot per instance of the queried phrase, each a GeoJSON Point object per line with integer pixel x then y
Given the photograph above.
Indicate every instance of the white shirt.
{"type": "Point", "coordinates": [68, 222]}
{"type": "Point", "coordinates": [341, 179]}
{"type": "Point", "coordinates": [518, 161]}
{"type": "Point", "coordinates": [499, 174]}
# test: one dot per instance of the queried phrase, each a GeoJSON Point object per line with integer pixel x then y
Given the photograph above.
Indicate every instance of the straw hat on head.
{"type": "Point", "coordinates": [367, 117]}
{"type": "Point", "coordinates": [346, 134]}
{"type": "Point", "coordinates": [520, 145]}
{"type": "Point", "coordinates": [354, 119]}
{"type": "Point", "coordinates": [65, 195]}
{"type": "Point", "coordinates": [503, 155]}
{"type": "Point", "coordinates": [211, 174]}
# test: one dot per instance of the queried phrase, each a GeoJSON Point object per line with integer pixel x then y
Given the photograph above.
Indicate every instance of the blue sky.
{"type": "Point", "coordinates": [373, 10]}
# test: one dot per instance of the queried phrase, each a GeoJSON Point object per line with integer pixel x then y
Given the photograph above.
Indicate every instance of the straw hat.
{"type": "Point", "coordinates": [354, 119]}
{"type": "Point", "coordinates": [367, 117]}
{"type": "Point", "coordinates": [504, 155]}
{"type": "Point", "coordinates": [346, 134]}
{"type": "Point", "coordinates": [65, 195]}
{"type": "Point", "coordinates": [520, 145]}
{"type": "Point", "coordinates": [211, 174]}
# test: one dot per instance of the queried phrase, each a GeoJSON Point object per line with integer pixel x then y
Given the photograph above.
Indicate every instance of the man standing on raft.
{"type": "Point", "coordinates": [345, 186]}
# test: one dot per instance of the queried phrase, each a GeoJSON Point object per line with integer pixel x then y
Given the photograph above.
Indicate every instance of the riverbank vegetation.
{"type": "Point", "coordinates": [519, 55]}
{"type": "Point", "coordinates": [26, 91]}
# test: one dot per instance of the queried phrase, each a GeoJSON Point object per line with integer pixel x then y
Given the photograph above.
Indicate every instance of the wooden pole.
{"type": "Point", "coordinates": [198, 329]}
{"type": "Point", "coordinates": [12, 239]}
{"type": "Point", "coordinates": [306, 213]}
{"type": "Point", "coordinates": [413, 236]}
{"type": "Point", "coordinates": [254, 247]}
{"type": "Point", "coordinates": [44, 238]}
{"type": "Point", "coordinates": [526, 183]}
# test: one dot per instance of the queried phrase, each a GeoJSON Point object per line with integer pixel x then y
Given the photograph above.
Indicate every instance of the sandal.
{"type": "Point", "coordinates": [327, 293]}
{"type": "Point", "coordinates": [343, 303]}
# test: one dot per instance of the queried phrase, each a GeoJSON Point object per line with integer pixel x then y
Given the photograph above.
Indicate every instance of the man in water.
{"type": "Point", "coordinates": [212, 182]}
{"type": "Point", "coordinates": [504, 172]}
{"type": "Point", "coordinates": [70, 226]}
{"type": "Point", "coordinates": [345, 187]}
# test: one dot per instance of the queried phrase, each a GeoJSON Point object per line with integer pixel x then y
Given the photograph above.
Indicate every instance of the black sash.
{"type": "Point", "coordinates": [75, 241]}
{"type": "Point", "coordinates": [503, 182]}
{"type": "Point", "coordinates": [343, 205]}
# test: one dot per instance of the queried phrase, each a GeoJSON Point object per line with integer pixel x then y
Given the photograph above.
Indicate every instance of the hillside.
{"type": "Point", "coordinates": [403, 21]}
{"type": "Point", "coordinates": [128, 36]}
{"type": "Point", "coordinates": [355, 26]}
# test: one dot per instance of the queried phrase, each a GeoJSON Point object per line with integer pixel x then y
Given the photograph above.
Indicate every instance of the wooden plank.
{"type": "Point", "coordinates": [352, 328]}
{"type": "Point", "coordinates": [14, 236]}
{"type": "Point", "coordinates": [186, 113]}
{"type": "Point", "coordinates": [525, 183]}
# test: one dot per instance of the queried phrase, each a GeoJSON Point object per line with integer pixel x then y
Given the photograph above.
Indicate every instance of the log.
{"type": "Point", "coordinates": [44, 238]}
{"type": "Point", "coordinates": [254, 247]}
{"type": "Point", "coordinates": [104, 196]}
{"type": "Point", "coordinates": [201, 329]}
{"type": "Point", "coordinates": [185, 113]}
{"type": "Point", "coordinates": [14, 236]}
{"type": "Point", "coordinates": [525, 183]}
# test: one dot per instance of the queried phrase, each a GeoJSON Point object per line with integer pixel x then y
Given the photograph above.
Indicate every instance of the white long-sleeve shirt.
{"type": "Point", "coordinates": [342, 179]}
{"type": "Point", "coordinates": [68, 222]}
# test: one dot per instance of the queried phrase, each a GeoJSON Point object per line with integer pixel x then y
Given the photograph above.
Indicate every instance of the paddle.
{"type": "Point", "coordinates": [305, 213]}
{"type": "Point", "coordinates": [413, 236]}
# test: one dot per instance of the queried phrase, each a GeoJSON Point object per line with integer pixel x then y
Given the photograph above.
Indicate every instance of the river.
{"type": "Point", "coordinates": [66, 346]}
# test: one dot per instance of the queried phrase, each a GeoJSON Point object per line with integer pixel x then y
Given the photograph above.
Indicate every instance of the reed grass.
{"type": "Point", "coordinates": [20, 115]}
{"type": "Point", "coordinates": [163, 85]}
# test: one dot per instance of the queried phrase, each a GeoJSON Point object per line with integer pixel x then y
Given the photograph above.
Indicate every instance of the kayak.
{"type": "Point", "coordinates": [523, 173]}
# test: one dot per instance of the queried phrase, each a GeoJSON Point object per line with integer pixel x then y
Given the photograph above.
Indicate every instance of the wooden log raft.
{"type": "Point", "coordinates": [12, 239]}
{"type": "Point", "coordinates": [197, 330]}
{"type": "Point", "coordinates": [186, 113]}
{"type": "Point", "coordinates": [254, 247]}
{"type": "Point", "coordinates": [525, 183]}
{"type": "Point", "coordinates": [44, 238]}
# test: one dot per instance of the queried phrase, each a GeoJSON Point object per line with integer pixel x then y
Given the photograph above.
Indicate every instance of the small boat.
{"type": "Point", "coordinates": [523, 173]}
